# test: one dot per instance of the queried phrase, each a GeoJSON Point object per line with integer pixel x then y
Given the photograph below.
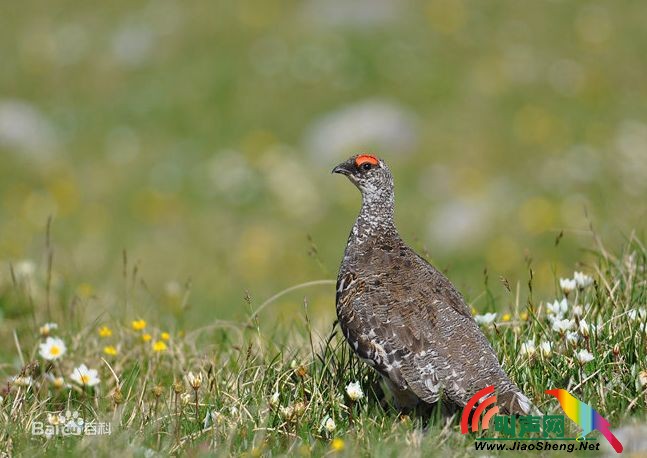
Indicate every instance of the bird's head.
{"type": "Point", "coordinates": [369, 173]}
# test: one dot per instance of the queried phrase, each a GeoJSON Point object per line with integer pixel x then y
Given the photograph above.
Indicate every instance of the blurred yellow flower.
{"type": "Point", "coordinates": [105, 331]}
{"type": "Point", "coordinates": [146, 337]}
{"type": "Point", "coordinates": [165, 336]}
{"type": "Point", "coordinates": [47, 328]}
{"type": "Point", "coordinates": [138, 325]}
{"type": "Point", "coordinates": [110, 350]}
{"type": "Point", "coordinates": [524, 316]}
{"type": "Point", "coordinates": [85, 290]}
{"type": "Point", "coordinates": [537, 215]}
{"type": "Point", "coordinates": [159, 346]}
{"type": "Point", "coordinates": [506, 317]}
{"type": "Point", "coordinates": [337, 444]}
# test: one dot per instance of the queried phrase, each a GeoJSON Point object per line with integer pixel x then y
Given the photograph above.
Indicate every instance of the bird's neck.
{"type": "Point", "coordinates": [376, 215]}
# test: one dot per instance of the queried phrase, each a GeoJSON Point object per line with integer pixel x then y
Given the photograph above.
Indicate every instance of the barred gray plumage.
{"type": "Point", "coordinates": [404, 317]}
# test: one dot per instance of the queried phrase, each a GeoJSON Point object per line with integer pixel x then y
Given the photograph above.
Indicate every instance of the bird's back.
{"type": "Point", "coordinates": [407, 317]}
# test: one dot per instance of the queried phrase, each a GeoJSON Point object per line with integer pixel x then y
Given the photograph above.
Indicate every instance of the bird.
{"type": "Point", "coordinates": [403, 317]}
{"type": "Point", "coordinates": [585, 416]}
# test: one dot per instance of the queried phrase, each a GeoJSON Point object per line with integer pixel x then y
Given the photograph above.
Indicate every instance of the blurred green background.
{"type": "Point", "coordinates": [199, 136]}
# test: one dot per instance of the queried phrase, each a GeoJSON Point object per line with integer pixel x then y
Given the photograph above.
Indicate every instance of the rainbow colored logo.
{"type": "Point", "coordinates": [585, 416]}
{"type": "Point", "coordinates": [489, 400]}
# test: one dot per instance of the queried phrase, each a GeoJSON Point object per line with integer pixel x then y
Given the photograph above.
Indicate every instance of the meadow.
{"type": "Point", "coordinates": [232, 388]}
{"type": "Point", "coordinates": [166, 202]}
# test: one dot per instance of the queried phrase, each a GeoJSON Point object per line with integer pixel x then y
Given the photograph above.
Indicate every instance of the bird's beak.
{"type": "Point", "coordinates": [551, 392]}
{"type": "Point", "coordinates": [344, 168]}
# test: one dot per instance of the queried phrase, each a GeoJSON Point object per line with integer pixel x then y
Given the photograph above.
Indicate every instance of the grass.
{"type": "Point", "coordinates": [259, 392]}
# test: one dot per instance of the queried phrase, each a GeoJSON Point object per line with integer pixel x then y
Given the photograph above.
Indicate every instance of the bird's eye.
{"type": "Point", "coordinates": [366, 166]}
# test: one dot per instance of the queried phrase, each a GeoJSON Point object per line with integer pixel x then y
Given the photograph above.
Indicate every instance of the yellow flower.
{"type": "Point", "coordinates": [506, 317]}
{"type": "Point", "coordinates": [110, 350]}
{"type": "Point", "coordinates": [85, 290]}
{"type": "Point", "coordinates": [524, 316]}
{"type": "Point", "coordinates": [105, 331]}
{"type": "Point", "coordinates": [165, 336]}
{"type": "Point", "coordinates": [146, 337]}
{"type": "Point", "coordinates": [138, 325]}
{"type": "Point", "coordinates": [159, 346]}
{"type": "Point", "coordinates": [474, 311]}
{"type": "Point", "coordinates": [337, 444]}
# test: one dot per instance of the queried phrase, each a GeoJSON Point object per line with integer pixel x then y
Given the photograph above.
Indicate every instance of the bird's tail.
{"type": "Point", "coordinates": [613, 440]}
{"type": "Point", "coordinates": [514, 402]}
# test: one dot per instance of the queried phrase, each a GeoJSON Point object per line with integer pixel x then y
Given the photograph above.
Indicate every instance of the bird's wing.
{"type": "Point", "coordinates": [408, 321]}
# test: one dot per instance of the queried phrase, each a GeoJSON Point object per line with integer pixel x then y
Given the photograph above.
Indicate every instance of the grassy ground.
{"type": "Point", "coordinates": [273, 392]}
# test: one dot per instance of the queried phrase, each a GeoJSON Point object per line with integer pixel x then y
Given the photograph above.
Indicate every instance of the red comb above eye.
{"type": "Point", "coordinates": [363, 158]}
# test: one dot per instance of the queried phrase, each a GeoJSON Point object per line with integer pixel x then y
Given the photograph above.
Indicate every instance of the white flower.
{"type": "Point", "coordinates": [84, 376]}
{"type": "Point", "coordinates": [572, 338]}
{"type": "Point", "coordinates": [53, 348]}
{"type": "Point", "coordinates": [47, 328]}
{"type": "Point", "coordinates": [54, 419]}
{"type": "Point", "coordinates": [195, 380]}
{"type": "Point", "coordinates": [274, 399]}
{"type": "Point", "coordinates": [20, 380]}
{"type": "Point", "coordinates": [584, 356]}
{"type": "Point", "coordinates": [567, 285]}
{"type": "Point", "coordinates": [286, 412]}
{"type": "Point", "coordinates": [582, 280]}
{"type": "Point", "coordinates": [546, 349]}
{"type": "Point", "coordinates": [24, 269]}
{"type": "Point", "coordinates": [378, 122]}
{"type": "Point", "coordinates": [584, 328]}
{"type": "Point", "coordinates": [329, 424]}
{"type": "Point", "coordinates": [212, 417]}
{"type": "Point", "coordinates": [485, 319]}
{"type": "Point", "coordinates": [233, 411]}
{"type": "Point", "coordinates": [57, 382]}
{"type": "Point", "coordinates": [637, 313]}
{"type": "Point", "coordinates": [562, 326]}
{"type": "Point", "coordinates": [558, 308]}
{"type": "Point", "coordinates": [354, 391]}
{"type": "Point", "coordinates": [528, 348]}
{"type": "Point", "coordinates": [578, 310]}
{"type": "Point", "coordinates": [642, 379]}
